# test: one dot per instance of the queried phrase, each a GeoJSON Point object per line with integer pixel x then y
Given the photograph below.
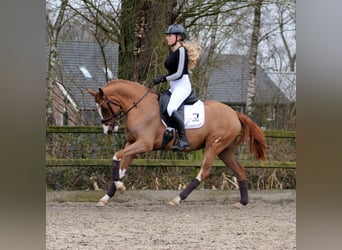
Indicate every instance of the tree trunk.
{"type": "Point", "coordinates": [51, 76]}
{"type": "Point", "coordinates": [251, 90]}
{"type": "Point", "coordinates": [142, 28]}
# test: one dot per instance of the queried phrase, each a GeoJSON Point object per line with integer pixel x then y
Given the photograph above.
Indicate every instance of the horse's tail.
{"type": "Point", "coordinates": [257, 141]}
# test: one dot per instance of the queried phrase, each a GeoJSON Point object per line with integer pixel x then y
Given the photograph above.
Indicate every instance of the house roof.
{"type": "Point", "coordinates": [228, 82]}
{"type": "Point", "coordinates": [286, 81]}
{"type": "Point", "coordinates": [82, 66]}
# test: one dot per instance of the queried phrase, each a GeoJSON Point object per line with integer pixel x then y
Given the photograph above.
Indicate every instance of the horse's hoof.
{"type": "Point", "coordinates": [102, 203]}
{"type": "Point", "coordinates": [174, 202]}
{"type": "Point", "coordinates": [122, 189]}
{"type": "Point", "coordinates": [238, 205]}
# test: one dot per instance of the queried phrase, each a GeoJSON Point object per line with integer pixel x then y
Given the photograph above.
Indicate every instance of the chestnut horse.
{"type": "Point", "coordinates": [144, 130]}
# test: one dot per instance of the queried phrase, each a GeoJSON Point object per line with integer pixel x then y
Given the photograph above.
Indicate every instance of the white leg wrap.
{"type": "Point", "coordinates": [118, 184]}
{"type": "Point", "coordinates": [122, 173]}
{"type": "Point", "coordinates": [175, 201]}
{"type": "Point", "coordinates": [198, 177]}
{"type": "Point", "coordinates": [105, 198]}
{"type": "Point", "coordinates": [115, 159]}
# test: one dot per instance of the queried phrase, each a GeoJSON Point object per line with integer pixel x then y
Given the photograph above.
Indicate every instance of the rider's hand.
{"type": "Point", "coordinates": [159, 79]}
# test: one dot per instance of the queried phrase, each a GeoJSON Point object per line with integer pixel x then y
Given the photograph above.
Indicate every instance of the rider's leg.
{"type": "Point", "coordinates": [180, 90]}
{"type": "Point", "coordinates": [179, 124]}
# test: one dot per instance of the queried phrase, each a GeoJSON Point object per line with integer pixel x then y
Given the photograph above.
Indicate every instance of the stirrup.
{"type": "Point", "coordinates": [181, 148]}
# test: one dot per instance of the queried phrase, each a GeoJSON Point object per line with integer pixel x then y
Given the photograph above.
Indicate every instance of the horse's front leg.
{"type": "Point", "coordinates": [139, 146]}
{"type": "Point", "coordinates": [125, 155]}
{"type": "Point", "coordinates": [118, 172]}
{"type": "Point", "coordinates": [128, 152]}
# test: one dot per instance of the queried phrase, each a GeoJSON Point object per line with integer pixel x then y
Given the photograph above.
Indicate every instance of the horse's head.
{"type": "Point", "coordinates": [109, 111]}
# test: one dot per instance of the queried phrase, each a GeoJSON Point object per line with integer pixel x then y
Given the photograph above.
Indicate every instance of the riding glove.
{"type": "Point", "coordinates": [159, 79]}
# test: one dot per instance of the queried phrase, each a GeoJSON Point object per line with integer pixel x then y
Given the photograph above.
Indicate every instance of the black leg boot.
{"type": "Point", "coordinates": [179, 124]}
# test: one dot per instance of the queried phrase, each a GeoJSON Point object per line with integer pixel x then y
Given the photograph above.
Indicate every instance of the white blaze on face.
{"type": "Point", "coordinates": [105, 127]}
{"type": "Point", "coordinates": [116, 128]}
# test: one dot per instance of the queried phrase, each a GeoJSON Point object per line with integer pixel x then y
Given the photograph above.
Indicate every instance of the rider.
{"type": "Point", "coordinates": [182, 58]}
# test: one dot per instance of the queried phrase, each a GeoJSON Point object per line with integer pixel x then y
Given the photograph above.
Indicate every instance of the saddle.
{"type": "Point", "coordinates": [192, 111]}
{"type": "Point", "coordinates": [164, 98]}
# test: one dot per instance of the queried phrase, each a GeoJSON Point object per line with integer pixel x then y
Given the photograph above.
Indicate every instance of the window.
{"type": "Point", "coordinates": [85, 72]}
{"type": "Point", "coordinates": [237, 108]}
{"type": "Point", "coordinates": [271, 113]}
{"type": "Point", "coordinates": [64, 118]}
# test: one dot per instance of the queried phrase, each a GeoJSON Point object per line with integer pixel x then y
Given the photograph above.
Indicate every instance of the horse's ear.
{"type": "Point", "coordinates": [91, 92]}
{"type": "Point", "coordinates": [101, 92]}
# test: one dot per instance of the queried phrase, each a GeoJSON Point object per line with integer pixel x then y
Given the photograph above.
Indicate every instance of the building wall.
{"type": "Point", "coordinates": [64, 113]}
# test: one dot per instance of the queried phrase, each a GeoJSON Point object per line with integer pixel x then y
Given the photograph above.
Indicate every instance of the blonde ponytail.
{"type": "Point", "coordinates": [194, 52]}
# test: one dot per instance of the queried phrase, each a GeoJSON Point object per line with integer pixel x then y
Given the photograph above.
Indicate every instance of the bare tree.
{"type": "Point", "coordinates": [220, 26]}
{"type": "Point", "coordinates": [213, 24]}
{"type": "Point", "coordinates": [207, 62]}
{"type": "Point", "coordinates": [143, 23]}
{"type": "Point", "coordinates": [251, 90]}
{"type": "Point", "coordinates": [53, 28]}
{"type": "Point", "coordinates": [284, 18]}
{"type": "Point", "coordinates": [277, 55]}
{"type": "Point", "coordinates": [137, 26]}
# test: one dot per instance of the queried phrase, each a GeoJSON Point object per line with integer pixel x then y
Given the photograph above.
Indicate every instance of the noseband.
{"type": "Point", "coordinates": [112, 112]}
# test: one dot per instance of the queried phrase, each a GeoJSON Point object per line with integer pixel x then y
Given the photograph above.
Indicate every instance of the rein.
{"type": "Point", "coordinates": [135, 104]}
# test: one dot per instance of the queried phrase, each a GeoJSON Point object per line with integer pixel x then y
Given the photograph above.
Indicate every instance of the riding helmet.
{"type": "Point", "coordinates": [177, 30]}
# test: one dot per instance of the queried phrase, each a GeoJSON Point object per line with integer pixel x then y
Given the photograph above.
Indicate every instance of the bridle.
{"type": "Point", "coordinates": [118, 115]}
{"type": "Point", "coordinates": [112, 112]}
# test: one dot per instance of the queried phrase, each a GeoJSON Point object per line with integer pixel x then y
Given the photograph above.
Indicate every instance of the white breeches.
{"type": "Point", "coordinates": [180, 90]}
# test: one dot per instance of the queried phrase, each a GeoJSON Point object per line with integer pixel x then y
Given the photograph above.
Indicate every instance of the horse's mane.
{"type": "Point", "coordinates": [116, 81]}
{"type": "Point", "coordinates": [133, 84]}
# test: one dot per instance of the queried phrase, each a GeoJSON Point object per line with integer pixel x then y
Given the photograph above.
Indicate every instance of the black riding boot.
{"type": "Point", "coordinates": [179, 124]}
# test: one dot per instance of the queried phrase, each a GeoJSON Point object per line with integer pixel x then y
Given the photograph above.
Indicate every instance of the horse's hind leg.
{"type": "Point", "coordinates": [229, 160]}
{"type": "Point", "coordinates": [209, 157]}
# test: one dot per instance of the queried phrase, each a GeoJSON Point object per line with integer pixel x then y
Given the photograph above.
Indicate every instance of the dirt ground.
{"type": "Point", "coordinates": [143, 220]}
